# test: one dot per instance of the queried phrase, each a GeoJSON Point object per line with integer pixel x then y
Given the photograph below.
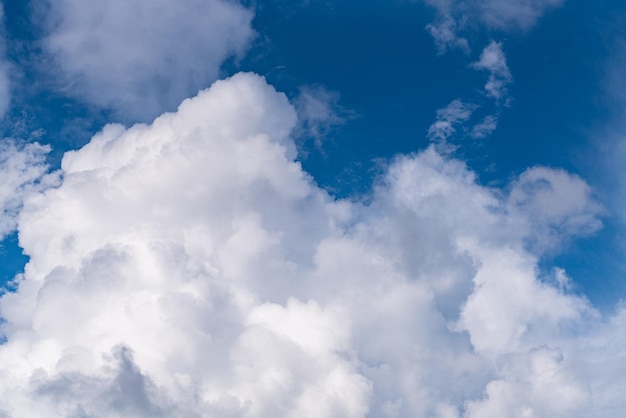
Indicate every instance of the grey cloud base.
{"type": "Point", "coordinates": [190, 267]}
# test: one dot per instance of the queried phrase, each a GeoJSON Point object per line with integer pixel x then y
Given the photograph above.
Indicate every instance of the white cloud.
{"type": "Point", "coordinates": [455, 16]}
{"type": "Point", "coordinates": [493, 60]}
{"type": "Point", "coordinates": [444, 33]}
{"type": "Point", "coordinates": [485, 127]}
{"type": "Point", "coordinates": [457, 113]}
{"type": "Point", "coordinates": [140, 57]}
{"type": "Point", "coordinates": [21, 169]}
{"type": "Point", "coordinates": [513, 14]}
{"type": "Point", "coordinates": [190, 267]}
{"type": "Point", "coordinates": [319, 112]}
{"type": "Point", "coordinates": [449, 119]}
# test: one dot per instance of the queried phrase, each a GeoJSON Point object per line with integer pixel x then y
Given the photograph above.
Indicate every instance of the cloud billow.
{"type": "Point", "coordinates": [190, 267]}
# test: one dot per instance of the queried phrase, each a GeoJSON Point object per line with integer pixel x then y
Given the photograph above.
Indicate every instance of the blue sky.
{"type": "Point", "coordinates": [459, 152]}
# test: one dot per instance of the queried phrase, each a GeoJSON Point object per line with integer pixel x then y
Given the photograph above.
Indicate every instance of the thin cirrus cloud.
{"type": "Point", "coordinates": [190, 267]}
{"type": "Point", "coordinates": [139, 58]}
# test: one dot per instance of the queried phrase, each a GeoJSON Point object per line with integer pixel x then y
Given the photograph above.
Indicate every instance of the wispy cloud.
{"type": "Point", "coordinates": [319, 112]}
{"type": "Point", "coordinates": [493, 60]}
{"type": "Point", "coordinates": [445, 34]}
{"type": "Point", "coordinates": [191, 267]}
{"type": "Point", "coordinates": [455, 16]}
{"type": "Point", "coordinates": [449, 119]}
{"type": "Point", "coordinates": [458, 112]}
{"type": "Point", "coordinates": [485, 128]}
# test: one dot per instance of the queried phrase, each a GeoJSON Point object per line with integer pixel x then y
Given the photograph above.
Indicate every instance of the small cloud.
{"type": "Point", "coordinates": [493, 60]}
{"type": "Point", "coordinates": [454, 15]}
{"type": "Point", "coordinates": [449, 119]}
{"type": "Point", "coordinates": [444, 33]}
{"type": "Point", "coordinates": [512, 14]}
{"type": "Point", "coordinates": [319, 112]}
{"type": "Point", "coordinates": [485, 128]}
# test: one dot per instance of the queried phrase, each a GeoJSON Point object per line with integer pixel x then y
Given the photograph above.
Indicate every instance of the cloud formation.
{"type": "Point", "coordinates": [319, 112]}
{"type": "Point", "coordinates": [190, 267]}
{"type": "Point", "coordinates": [449, 119]}
{"type": "Point", "coordinates": [140, 57]}
{"type": "Point", "coordinates": [458, 112]}
{"type": "Point", "coordinates": [454, 16]}
{"type": "Point", "coordinates": [485, 127]}
{"type": "Point", "coordinates": [493, 60]}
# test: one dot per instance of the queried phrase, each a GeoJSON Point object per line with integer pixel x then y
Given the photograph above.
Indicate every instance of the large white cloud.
{"type": "Point", "coordinates": [140, 57]}
{"type": "Point", "coordinates": [190, 267]}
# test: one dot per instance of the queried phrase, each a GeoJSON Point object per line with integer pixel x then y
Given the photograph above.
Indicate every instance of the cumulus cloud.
{"type": "Point", "coordinates": [454, 16]}
{"type": "Point", "coordinates": [140, 57]}
{"type": "Point", "coordinates": [190, 267]}
{"type": "Point", "coordinates": [493, 60]}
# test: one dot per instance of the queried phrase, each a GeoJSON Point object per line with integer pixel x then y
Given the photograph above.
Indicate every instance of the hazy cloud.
{"type": "Point", "coordinates": [444, 33]}
{"type": "Point", "coordinates": [140, 57]}
{"type": "Point", "coordinates": [319, 112]}
{"type": "Point", "coordinates": [455, 16]}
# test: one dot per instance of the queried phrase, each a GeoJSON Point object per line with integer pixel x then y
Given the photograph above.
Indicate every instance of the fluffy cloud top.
{"type": "Point", "coordinates": [140, 57]}
{"type": "Point", "coordinates": [190, 267]}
